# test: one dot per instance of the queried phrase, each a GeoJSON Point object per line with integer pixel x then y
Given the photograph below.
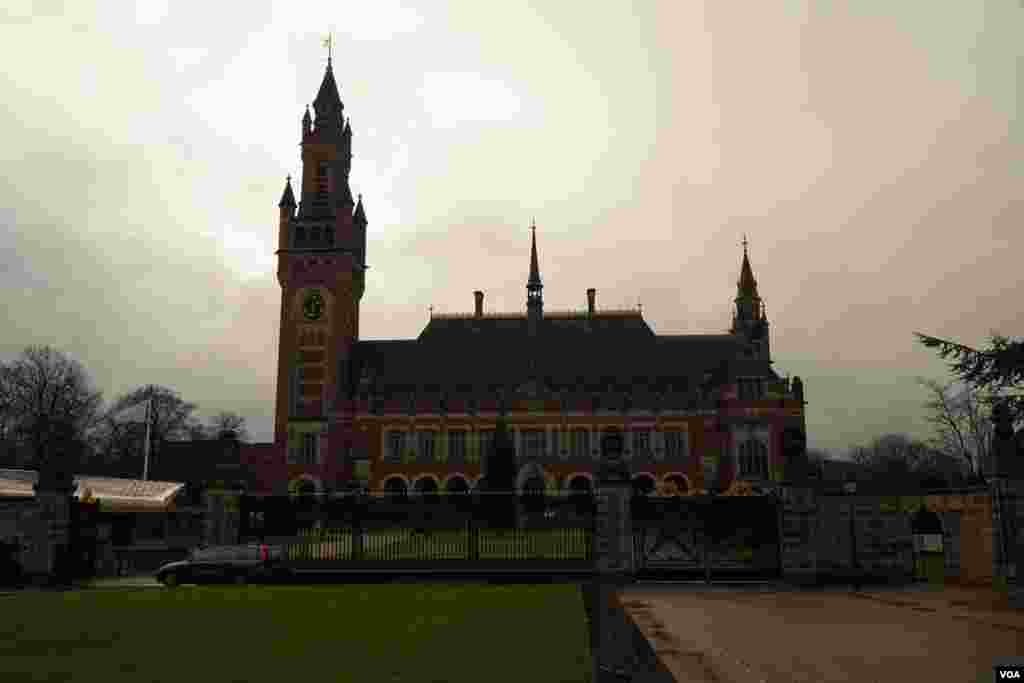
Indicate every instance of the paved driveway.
{"type": "Point", "coordinates": [709, 634]}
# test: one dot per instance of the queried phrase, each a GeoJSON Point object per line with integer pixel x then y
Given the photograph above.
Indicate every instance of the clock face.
{"type": "Point", "coordinates": [313, 305]}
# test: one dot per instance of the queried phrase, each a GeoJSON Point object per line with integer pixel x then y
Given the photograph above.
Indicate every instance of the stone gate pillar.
{"type": "Point", "coordinates": [613, 557]}
{"type": "Point", "coordinates": [48, 556]}
{"type": "Point", "coordinates": [1007, 484]}
{"type": "Point", "coordinates": [1008, 537]}
{"type": "Point", "coordinates": [798, 529]}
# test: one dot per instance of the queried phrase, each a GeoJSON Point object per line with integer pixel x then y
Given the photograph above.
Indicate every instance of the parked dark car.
{"type": "Point", "coordinates": [223, 564]}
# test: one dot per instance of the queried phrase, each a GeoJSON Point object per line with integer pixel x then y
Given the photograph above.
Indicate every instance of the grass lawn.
{"type": "Point", "coordinates": [376, 632]}
{"type": "Point", "coordinates": [445, 544]}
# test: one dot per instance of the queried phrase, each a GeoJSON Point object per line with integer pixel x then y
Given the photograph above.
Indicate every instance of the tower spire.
{"type": "Point", "coordinates": [327, 106]}
{"type": "Point", "coordinates": [747, 285]}
{"type": "Point", "coordinates": [750, 318]}
{"type": "Point", "coordinates": [534, 281]}
{"type": "Point", "coordinates": [534, 302]}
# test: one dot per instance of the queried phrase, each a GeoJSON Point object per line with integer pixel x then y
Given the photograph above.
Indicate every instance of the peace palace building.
{"type": "Point", "coordinates": [417, 414]}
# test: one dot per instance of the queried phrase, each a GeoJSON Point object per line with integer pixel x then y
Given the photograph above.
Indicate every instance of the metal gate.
{"type": "Point", "coordinates": [707, 538]}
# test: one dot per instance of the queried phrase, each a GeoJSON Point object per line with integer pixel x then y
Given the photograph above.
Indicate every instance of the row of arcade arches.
{"type": "Point", "coordinates": [644, 483]}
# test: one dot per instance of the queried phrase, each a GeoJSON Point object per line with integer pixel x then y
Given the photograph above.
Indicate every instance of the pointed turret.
{"type": "Point", "coordinates": [286, 211]}
{"type": "Point", "coordinates": [307, 123]}
{"type": "Point", "coordinates": [288, 198]}
{"type": "Point", "coordinates": [359, 217]}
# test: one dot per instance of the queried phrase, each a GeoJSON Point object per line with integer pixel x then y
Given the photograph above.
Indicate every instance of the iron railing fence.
{"type": "Point", "coordinates": [447, 530]}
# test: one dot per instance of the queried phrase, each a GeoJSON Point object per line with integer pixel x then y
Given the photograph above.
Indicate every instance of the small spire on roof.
{"type": "Point", "coordinates": [360, 212]}
{"type": "Point", "coordinates": [534, 281]}
{"type": "Point", "coordinates": [747, 285]}
{"type": "Point", "coordinates": [288, 198]}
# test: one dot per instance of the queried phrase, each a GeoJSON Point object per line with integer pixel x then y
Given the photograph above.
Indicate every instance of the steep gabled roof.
{"type": "Point", "coordinates": [497, 350]}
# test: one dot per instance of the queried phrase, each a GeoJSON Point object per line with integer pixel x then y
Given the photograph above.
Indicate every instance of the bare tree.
{"type": "Point", "coordinates": [905, 460]}
{"type": "Point", "coordinates": [47, 397]}
{"type": "Point", "coordinates": [196, 431]}
{"type": "Point", "coordinates": [226, 421]}
{"type": "Point", "coordinates": [961, 419]}
{"type": "Point", "coordinates": [170, 416]}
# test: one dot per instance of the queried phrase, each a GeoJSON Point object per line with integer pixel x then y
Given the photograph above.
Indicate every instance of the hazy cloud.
{"type": "Point", "coordinates": [871, 151]}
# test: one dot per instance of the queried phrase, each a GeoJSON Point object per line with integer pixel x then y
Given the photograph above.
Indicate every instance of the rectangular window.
{"type": "Point", "coordinates": [395, 445]}
{"type": "Point", "coordinates": [534, 443]}
{"type": "Point", "coordinates": [751, 389]}
{"type": "Point", "coordinates": [310, 443]}
{"type": "Point", "coordinates": [641, 442]}
{"type": "Point", "coordinates": [675, 444]}
{"type": "Point", "coordinates": [426, 444]}
{"type": "Point", "coordinates": [457, 445]}
{"type": "Point", "coordinates": [486, 440]}
{"type": "Point", "coordinates": [321, 179]}
{"type": "Point", "coordinates": [580, 443]}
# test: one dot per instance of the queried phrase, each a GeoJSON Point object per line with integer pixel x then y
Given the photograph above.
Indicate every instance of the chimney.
{"type": "Point", "coordinates": [479, 296]}
{"type": "Point", "coordinates": [591, 293]}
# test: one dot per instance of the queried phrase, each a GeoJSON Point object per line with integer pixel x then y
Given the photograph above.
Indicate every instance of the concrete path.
{"type": "Point", "coordinates": [727, 635]}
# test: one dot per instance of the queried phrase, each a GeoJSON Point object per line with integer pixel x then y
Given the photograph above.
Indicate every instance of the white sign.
{"type": "Point", "coordinates": [928, 543]}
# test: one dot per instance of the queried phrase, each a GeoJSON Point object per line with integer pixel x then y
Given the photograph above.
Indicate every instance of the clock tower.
{"type": "Point", "coordinates": [320, 267]}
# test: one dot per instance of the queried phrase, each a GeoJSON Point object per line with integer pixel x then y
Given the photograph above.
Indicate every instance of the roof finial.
{"type": "Point", "coordinates": [744, 244]}
{"type": "Point", "coordinates": [328, 43]}
{"type": "Point", "coordinates": [288, 178]}
{"type": "Point", "coordinates": [431, 311]}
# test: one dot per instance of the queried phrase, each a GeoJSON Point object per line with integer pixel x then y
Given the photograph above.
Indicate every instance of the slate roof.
{"type": "Point", "coordinates": [116, 494]}
{"type": "Point", "coordinates": [496, 350]}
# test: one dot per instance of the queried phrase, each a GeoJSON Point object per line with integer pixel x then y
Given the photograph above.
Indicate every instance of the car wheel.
{"type": "Point", "coordinates": [240, 579]}
{"type": "Point", "coordinates": [171, 580]}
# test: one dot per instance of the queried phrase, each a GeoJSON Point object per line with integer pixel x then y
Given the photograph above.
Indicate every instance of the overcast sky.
{"type": "Point", "coordinates": [870, 150]}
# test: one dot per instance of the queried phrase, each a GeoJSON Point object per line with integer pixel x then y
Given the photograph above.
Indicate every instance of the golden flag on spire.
{"type": "Point", "coordinates": [328, 41]}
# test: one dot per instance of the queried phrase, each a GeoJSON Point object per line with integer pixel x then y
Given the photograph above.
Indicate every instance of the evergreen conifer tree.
{"type": "Point", "coordinates": [500, 474]}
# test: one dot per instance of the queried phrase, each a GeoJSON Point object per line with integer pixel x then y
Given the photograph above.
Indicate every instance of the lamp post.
{"type": "Point", "coordinates": [850, 489]}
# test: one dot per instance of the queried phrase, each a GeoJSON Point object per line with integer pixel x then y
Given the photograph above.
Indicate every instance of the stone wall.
{"type": "Point", "coordinates": [817, 539]}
